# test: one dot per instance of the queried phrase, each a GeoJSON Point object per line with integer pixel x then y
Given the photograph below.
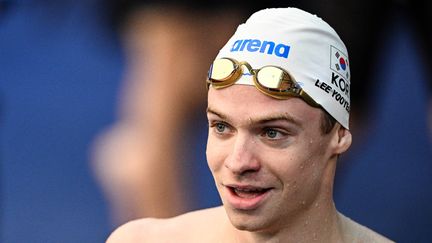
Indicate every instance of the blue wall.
{"type": "Point", "coordinates": [59, 74]}
{"type": "Point", "coordinates": [385, 181]}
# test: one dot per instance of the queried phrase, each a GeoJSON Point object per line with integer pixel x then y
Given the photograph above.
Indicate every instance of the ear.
{"type": "Point", "coordinates": [344, 140]}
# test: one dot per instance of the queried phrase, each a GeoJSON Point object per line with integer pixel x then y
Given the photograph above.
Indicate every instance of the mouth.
{"type": "Point", "coordinates": [247, 192]}
{"type": "Point", "coordinates": [246, 197]}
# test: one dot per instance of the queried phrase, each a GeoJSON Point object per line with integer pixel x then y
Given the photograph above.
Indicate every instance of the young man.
{"type": "Point", "coordinates": [278, 108]}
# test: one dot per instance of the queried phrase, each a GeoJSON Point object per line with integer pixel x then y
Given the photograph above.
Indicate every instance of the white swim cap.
{"type": "Point", "coordinates": [304, 45]}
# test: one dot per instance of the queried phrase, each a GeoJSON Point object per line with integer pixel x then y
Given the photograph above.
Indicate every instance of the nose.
{"type": "Point", "coordinates": [243, 159]}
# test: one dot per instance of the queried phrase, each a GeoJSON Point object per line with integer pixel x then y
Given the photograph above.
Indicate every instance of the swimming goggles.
{"type": "Point", "coordinates": [270, 80]}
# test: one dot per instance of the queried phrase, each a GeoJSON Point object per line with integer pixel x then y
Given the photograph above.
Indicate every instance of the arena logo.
{"type": "Point", "coordinates": [255, 45]}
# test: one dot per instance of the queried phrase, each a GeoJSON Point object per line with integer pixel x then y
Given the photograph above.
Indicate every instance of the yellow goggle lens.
{"type": "Point", "coordinates": [222, 69]}
{"type": "Point", "coordinates": [270, 77]}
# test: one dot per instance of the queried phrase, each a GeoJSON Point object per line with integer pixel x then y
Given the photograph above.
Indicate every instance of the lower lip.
{"type": "Point", "coordinates": [242, 203]}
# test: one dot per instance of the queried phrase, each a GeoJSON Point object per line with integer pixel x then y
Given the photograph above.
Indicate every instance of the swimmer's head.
{"type": "Point", "coordinates": [309, 53]}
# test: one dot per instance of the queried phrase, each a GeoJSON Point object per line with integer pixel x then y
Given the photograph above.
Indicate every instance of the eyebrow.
{"type": "Point", "coordinates": [278, 117]}
{"type": "Point", "coordinates": [219, 114]}
{"type": "Point", "coordinates": [262, 120]}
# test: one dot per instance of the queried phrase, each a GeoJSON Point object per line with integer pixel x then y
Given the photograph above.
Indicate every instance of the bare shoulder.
{"type": "Point", "coordinates": [191, 227]}
{"type": "Point", "coordinates": [134, 231]}
{"type": "Point", "coordinates": [355, 232]}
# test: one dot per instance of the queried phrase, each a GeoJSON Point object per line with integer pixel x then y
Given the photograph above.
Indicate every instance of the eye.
{"type": "Point", "coordinates": [272, 134]}
{"type": "Point", "coordinates": [220, 127]}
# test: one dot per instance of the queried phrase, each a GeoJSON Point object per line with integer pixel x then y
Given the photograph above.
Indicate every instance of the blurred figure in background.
{"type": "Point", "coordinates": [140, 160]}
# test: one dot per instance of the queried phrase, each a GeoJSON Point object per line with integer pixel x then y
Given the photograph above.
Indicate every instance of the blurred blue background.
{"type": "Point", "coordinates": [384, 181]}
{"type": "Point", "coordinates": [60, 70]}
{"type": "Point", "coordinates": [59, 73]}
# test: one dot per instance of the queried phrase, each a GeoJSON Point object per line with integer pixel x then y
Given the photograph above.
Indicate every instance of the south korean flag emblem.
{"type": "Point", "coordinates": [339, 62]}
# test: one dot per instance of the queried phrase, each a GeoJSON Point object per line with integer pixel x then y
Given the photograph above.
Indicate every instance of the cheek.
{"type": "Point", "coordinates": [299, 167]}
{"type": "Point", "coordinates": [214, 156]}
{"type": "Point", "coordinates": [308, 173]}
{"type": "Point", "coordinates": [290, 170]}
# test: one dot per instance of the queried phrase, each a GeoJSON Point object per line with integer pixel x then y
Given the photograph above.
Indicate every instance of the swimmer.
{"type": "Point", "coordinates": [274, 139]}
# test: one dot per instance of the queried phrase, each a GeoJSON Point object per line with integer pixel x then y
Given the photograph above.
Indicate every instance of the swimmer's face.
{"type": "Point", "coordinates": [269, 157]}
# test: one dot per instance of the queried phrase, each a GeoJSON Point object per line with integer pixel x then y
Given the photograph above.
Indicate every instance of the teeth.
{"type": "Point", "coordinates": [248, 190]}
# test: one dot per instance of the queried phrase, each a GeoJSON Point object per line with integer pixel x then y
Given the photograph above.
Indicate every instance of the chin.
{"type": "Point", "coordinates": [248, 221]}
{"type": "Point", "coordinates": [247, 226]}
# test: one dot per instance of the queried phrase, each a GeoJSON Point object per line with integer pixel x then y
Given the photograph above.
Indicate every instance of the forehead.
{"type": "Point", "coordinates": [245, 102]}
